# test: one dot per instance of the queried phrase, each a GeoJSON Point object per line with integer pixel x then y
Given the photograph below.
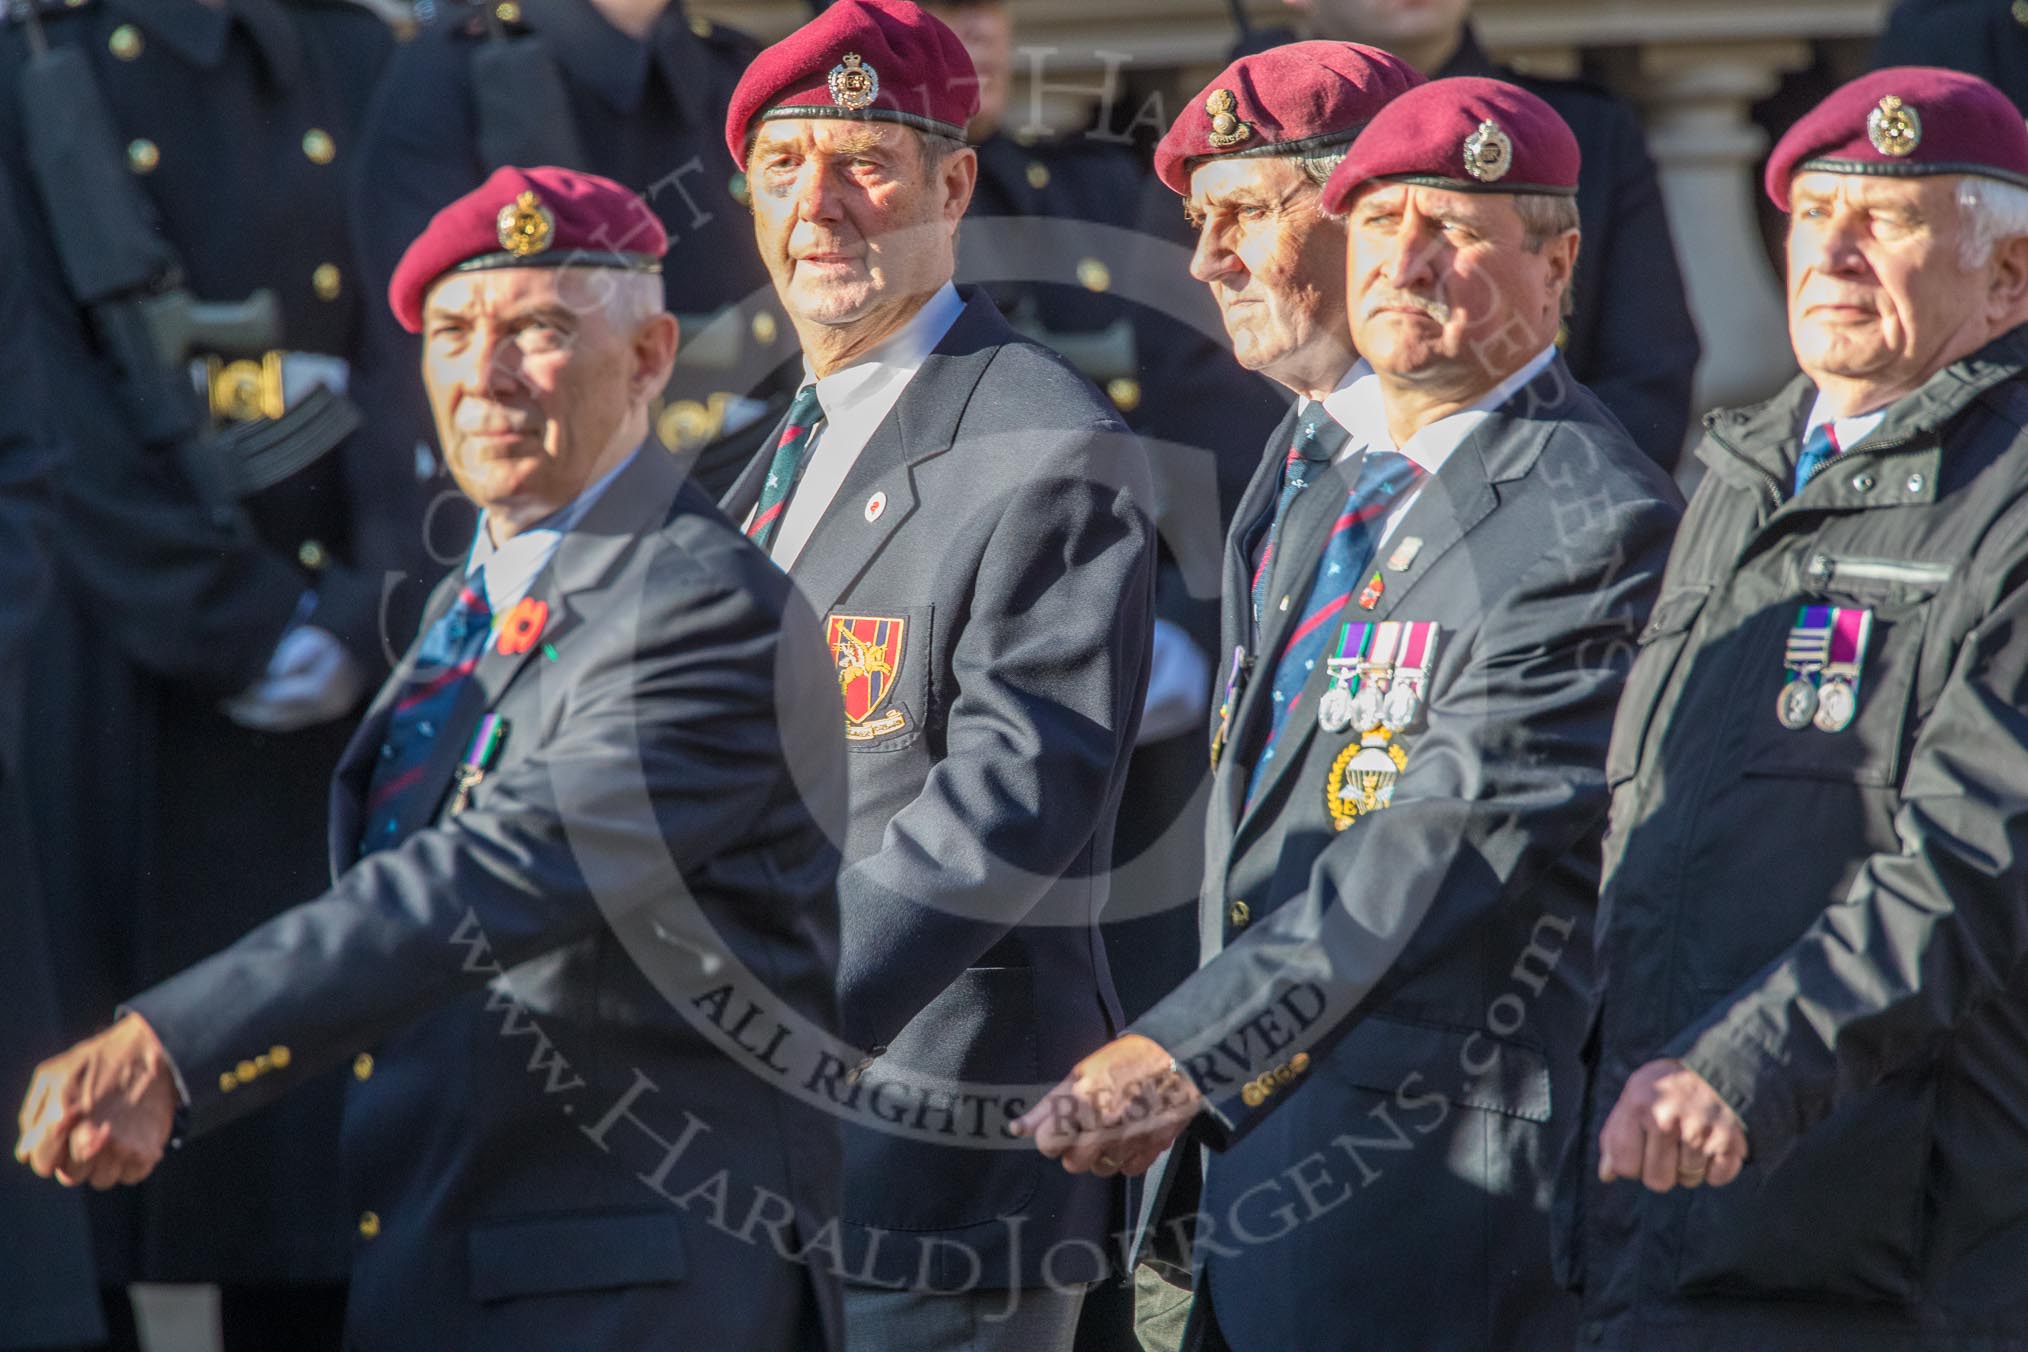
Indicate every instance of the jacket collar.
{"type": "Point", "coordinates": [199, 31]}
{"type": "Point", "coordinates": [1760, 439]}
{"type": "Point", "coordinates": [1469, 59]}
{"type": "Point", "coordinates": [600, 58]}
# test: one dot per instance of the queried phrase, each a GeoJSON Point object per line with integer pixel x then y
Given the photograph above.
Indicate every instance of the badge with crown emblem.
{"type": "Point", "coordinates": [1894, 128]}
{"type": "Point", "coordinates": [854, 84]}
{"type": "Point", "coordinates": [1489, 153]}
{"type": "Point", "coordinates": [525, 226]}
{"type": "Point", "coordinates": [1227, 130]}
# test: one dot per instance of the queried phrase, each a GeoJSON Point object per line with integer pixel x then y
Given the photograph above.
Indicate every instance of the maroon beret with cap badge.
{"type": "Point", "coordinates": [1905, 122]}
{"type": "Point", "coordinates": [529, 218]}
{"type": "Point", "coordinates": [1305, 98]}
{"type": "Point", "coordinates": [1469, 134]}
{"type": "Point", "coordinates": [867, 60]}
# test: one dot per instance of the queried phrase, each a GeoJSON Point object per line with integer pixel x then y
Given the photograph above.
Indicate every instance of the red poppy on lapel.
{"type": "Point", "coordinates": [522, 626]}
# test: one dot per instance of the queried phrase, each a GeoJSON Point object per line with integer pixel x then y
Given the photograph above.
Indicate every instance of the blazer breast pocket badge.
{"type": "Point", "coordinates": [868, 652]}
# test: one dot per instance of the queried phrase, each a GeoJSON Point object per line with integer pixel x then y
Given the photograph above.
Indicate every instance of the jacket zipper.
{"type": "Point", "coordinates": [1825, 571]}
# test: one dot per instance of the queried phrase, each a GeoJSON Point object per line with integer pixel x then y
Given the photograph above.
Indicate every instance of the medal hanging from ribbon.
{"type": "Point", "coordinates": [1225, 707]}
{"type": "Point", "coordinates": [1838, 687]}
{"type": "Point", "coordinates": [1411, 675]}
{"type": "Point", "coordinates": [1823, 657]}
{"type": "Point", "coordinates": [479, 758]}
{"type": "Point", "coordinates": [1334, 708]}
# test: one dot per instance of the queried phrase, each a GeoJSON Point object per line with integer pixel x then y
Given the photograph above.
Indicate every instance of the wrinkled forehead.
{"type": "Point", "coordinates": [500, 291]}
{"type": "Point", "coordinates": [1818, 187]}
{"type": "Point", "coordinates": [831, 136]}
{"type": "Point", "coordinates": [1234, 178]}
{"type": "Point", "coordinates": [1486, 210]}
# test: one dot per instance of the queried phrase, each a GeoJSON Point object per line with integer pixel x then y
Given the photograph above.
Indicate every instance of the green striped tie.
{"type": "Point", "coordinates": [786, 468]}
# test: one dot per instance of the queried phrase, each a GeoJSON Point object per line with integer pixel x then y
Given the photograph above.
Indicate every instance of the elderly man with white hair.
{"type": "Point", "coordinates": [1815, 906]}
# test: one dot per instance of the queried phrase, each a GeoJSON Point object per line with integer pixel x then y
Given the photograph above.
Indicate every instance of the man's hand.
{"type": "Point", "coordinates": [100, 1113]}
{"type": "Point", "coordinates": [311, 679]}
{"type": "Point", "coordinates": [1116, 1112]}
{"type": "Point", "coordinates": [1671, 1129]}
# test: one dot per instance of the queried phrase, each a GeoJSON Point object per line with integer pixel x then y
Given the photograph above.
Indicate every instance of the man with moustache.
{"type": "Point", "coordinates": [608, 763]}
{"type": "Point", "coordinates": [970, 519]}
{"type": "Point", "coordinates": [1382, 1045]}
{"type": "Point", "coordinates": [1629, 336]}
{"type": "Point", "coordinates": [1815, 888]}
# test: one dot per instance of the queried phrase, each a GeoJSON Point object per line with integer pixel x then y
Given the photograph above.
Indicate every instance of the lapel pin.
{"type": "Point", "coordinates": [1404, 553]}
{"type": "Point", "coordinates": [875, 505]}
{"type": "Point", "coordinates": [1370, 597]}
{"type": "Point", "coordinates": [522, 627]}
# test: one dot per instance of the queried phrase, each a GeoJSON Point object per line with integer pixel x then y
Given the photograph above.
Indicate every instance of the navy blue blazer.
{"type": "Point", "coordinates": [528, 1106]}
{"type": "Point", "coordinates": [1387, 1020]}
{"type": "Point", "coordinates": [986, 571]}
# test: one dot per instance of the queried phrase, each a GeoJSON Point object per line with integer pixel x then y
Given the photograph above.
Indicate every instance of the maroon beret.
{"type": "Point", "coordinates": [868, 60]}
{"type": "Point", "coordinates": [529, 218]}
{"type": "Point", "coordinates": [1306, 98]}
{"type": "Point", "coordinates": [1468, 134]}
{"type": "Point", "coordinates": [1907, 122]}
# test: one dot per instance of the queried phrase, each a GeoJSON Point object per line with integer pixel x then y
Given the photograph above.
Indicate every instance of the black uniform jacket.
{"type": "Point", "coordinates": [1387, 1019]}
{"type": "Point", "coordinates": [1829, 925]}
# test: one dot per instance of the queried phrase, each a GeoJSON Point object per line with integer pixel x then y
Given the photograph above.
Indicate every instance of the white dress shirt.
{"type": "Point", "coordinates": [1357, 406]}
{"type": "Point", "coordinates": [856, 399]}
{"type": "Point", "coordinates": [511, 569]}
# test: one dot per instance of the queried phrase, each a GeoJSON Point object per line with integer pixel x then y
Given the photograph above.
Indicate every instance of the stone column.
{"type": "Point", "coordinates": [1698, 98]}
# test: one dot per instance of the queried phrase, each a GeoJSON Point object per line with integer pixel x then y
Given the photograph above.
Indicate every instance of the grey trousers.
{"type": "Point", "coordinates": [1161, 1311]}
{"type": "Point", "coordinates": [1038, 1319]}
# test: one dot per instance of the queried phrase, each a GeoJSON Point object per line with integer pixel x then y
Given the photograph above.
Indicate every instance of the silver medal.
{"type": "Point", "coordinates": [1334, 710]}
{"type": "Point", "coordinates": [1797, 702]}
{"type": "Point", "coordinates": [1835, 705]}
{"type": "Point", "coordinates": [1401, 707]}
{"type": "Point", "coordinates": [1368, 707]}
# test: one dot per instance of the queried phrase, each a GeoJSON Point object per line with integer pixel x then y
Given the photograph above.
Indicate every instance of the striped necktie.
{"type": "Point", "coordinates": [1308, 456]}
{"type": "Point", "coordinates": [786, 469]}
{"type": "Point", "coordinates": [1383, 479]}
{"type": "Point", "coordinates": [1819, 448]}
{"type": "Point", "coordinates": [450, 650]}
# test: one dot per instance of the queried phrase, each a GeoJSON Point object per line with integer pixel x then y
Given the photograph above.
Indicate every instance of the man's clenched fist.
{"type": "Point", "coordinates": [100, 1113]}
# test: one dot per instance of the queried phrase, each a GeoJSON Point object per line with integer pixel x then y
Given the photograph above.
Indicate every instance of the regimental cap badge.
{"type": "Point", "coordinates": [1227, 130]}
{"type": "Point", "coordinates": [1489, 154]}
{"type": "Point", "coordinates": [1894, 128]}
{"type": "Point", "coordinates": [854, 84]}
{"type": "Point", "coordinates": [525, 225]}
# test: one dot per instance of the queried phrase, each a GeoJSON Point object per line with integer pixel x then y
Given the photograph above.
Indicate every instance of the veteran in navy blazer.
{"type": "Point", "coordinates": [605, 782]}
{"type": "Point", "coordinates": [1381, 1048]}
{"type": "Point", "coordinates": [970, 519]}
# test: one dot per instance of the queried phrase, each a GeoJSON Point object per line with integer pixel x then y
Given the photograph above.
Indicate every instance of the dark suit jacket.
{"type": "Point", "coordinates": [644, 772]}
{"type": "Point", "coordinates": [1013, 557]}
{"type": "Point", "coordinates": [1387, 1033]}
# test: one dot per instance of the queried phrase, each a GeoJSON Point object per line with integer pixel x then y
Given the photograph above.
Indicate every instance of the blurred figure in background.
{"type": "Point", "coordinates": [180, 169]}
{"type": "Point", "coordinates": [631, 90]}
{"type": "Point", "coordinates": [48, 1296]}
{"type": "Point", "coordinates": [1980, 37]}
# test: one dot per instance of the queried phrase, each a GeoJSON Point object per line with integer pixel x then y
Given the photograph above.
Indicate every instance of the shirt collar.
{"type": "Point", "coordinates": [901, 354]}
{"type": "Point", "coordinates": [1850, 431]}
{"type": "Point", "coordinates": [1432, 447]}
{"type": "Point", "coordinates": [511, 569]}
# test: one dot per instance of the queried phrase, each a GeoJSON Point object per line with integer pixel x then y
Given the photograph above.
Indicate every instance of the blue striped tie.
{"type": "Point", "coordinates": [1307, 458]}
{"type": "Point", "coordinates": [1383, 478]}
{"type": "Point", "coordinates": [1819, 447]}
{"type": "Point", "coordinates": [445, 661]}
